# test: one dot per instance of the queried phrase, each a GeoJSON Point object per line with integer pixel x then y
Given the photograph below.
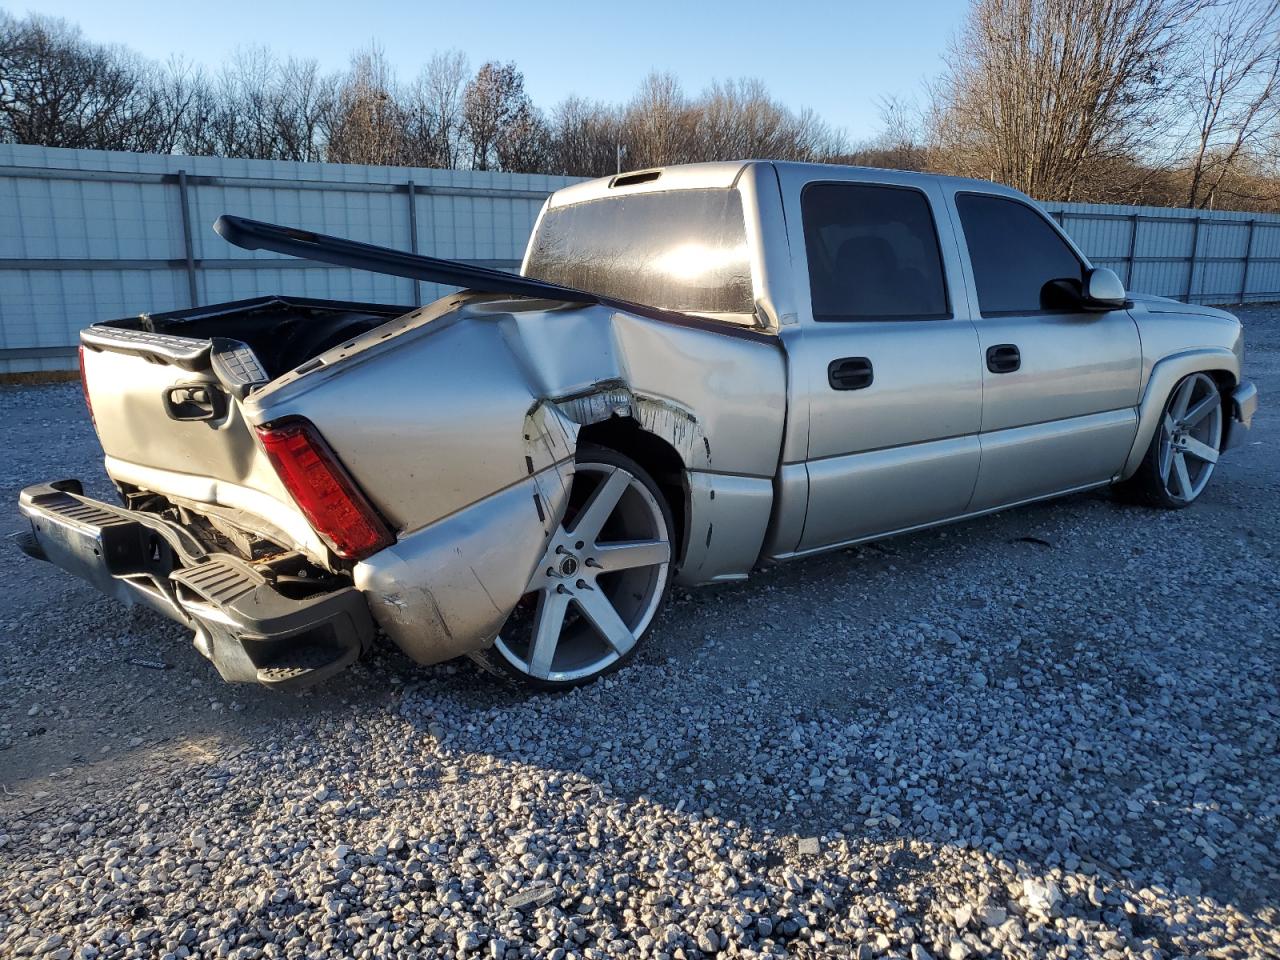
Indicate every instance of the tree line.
{"type": "Point", "coordinates": [58, 88]}
{"type": "Point", "coordinates": [1170, 102]}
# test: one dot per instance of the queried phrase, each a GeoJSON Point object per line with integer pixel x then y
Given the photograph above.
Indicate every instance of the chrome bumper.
{"type": "Point", "coordinates": [251, 631]}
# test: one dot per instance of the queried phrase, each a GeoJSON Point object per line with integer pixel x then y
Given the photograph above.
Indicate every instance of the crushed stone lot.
{"type": "Point", "coordinates": [1050, 732]}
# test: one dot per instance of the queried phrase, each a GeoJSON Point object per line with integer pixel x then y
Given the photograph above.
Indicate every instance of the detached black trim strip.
{"type": "Point", "coordinates": [256, 235]}
{"type": "Point", "coordinates": [308, 245]}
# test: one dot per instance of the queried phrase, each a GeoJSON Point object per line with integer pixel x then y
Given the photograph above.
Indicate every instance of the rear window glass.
{"type": "Point", "coordinates": [682, 250]}
{"type": "Point", "coordinates": [873, 253]}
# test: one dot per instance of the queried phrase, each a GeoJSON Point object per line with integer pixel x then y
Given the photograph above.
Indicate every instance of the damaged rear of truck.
{"type": "Point", "coordinates": [295, 474]}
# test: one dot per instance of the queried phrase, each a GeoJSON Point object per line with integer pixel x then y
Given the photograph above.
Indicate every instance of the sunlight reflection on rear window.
{"type": "Point", "coordinates": [683, 250]}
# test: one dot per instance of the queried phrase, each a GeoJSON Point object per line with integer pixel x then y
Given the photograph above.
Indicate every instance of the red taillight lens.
{"type": "Point", "coordinates": [323, 490]}
{"type": "Point", "coordinates": [84, 387]}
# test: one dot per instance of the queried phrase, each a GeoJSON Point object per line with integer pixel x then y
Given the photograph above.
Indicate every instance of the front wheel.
{"type": "Point", "coordinates": [600, 583]}
{"type": "Point", "coordinates": [1185, 448]}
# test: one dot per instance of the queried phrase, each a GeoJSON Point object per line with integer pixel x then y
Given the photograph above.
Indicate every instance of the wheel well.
{"type": "Point", "coordinates": [625, 435]}
{"type": "Point", "coordinates": [1226, 384]}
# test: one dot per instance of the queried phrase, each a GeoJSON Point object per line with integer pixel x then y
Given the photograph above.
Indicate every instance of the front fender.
{"type": "Point", "coordinates": [1164, 376]}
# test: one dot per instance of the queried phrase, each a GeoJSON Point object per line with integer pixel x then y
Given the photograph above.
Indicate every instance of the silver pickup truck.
{"type": "Point", "coordinates": [700, 370]}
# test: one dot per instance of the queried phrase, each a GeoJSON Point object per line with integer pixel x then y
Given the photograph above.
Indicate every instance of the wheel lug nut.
{"type": "Point", "coordinates": [591, 562]}
{"type": "Point", "coordinates": [582, 585]}
{"type": "Point", "coordinates": [561, 588]}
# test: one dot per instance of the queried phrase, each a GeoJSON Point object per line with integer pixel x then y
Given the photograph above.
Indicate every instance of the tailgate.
{"type": "Point", "coordinates": [181, 433]}
{"type": "Point", "coordinates": [168, 411]}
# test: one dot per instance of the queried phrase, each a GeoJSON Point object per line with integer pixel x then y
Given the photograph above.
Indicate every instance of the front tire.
{"type": "Point", "coordinates": [600, 584]}
{"type": "Point", "coordinates": [1184, 451]}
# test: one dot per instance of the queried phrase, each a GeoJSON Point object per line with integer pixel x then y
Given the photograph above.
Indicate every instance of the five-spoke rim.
{"type": "Point", "coordinates": [599, 583]}
{"type": "Point", "coordinates": [1190, 437]}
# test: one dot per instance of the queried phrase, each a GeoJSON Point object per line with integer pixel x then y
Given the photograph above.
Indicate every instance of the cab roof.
{"type": "Point", "coordinates": [724, 174]}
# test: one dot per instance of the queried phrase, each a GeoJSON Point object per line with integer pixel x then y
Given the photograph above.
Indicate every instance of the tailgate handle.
{"type": "Point", "coordinates": [195, 401]}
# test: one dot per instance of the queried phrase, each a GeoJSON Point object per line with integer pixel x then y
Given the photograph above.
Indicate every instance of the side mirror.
{"type": "Point", "coordinates": [1103, 290]}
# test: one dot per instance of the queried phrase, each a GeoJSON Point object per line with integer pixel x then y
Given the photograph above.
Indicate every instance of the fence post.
{"type": "Point", "coordinates": [188, 249]}
{"type": "Point", "coordinates": [1248, 257]}
{"type": "Point", "coordinates": [413, 238]}
{"type": "Point", "coordinates": [1133, 248]}
{"type": "Point", "coordinates": [1195, 252]}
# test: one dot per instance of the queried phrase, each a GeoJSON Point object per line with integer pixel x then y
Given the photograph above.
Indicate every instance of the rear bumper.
{"type": "Point", "coordinates": [250, 629]}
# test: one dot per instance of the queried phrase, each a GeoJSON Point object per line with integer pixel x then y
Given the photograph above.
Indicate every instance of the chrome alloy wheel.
{"type": "Point", "coordinates": [1190, 437]}
{"type": "Point", "coordinates": [599, 584]}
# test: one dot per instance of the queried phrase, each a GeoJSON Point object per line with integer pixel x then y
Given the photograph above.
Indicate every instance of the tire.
{"type": "Point", "coordinates": [600, 584]}
{"type": "Point", "coordinates": [1184, 450]}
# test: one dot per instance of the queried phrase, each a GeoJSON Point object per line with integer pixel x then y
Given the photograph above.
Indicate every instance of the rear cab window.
{"type": "Point", "coordinates": [1016, 255]}
{"type": "Point", "coordinates": [872, 253]}
{"type": "Point", "coordinates": [679, 250]}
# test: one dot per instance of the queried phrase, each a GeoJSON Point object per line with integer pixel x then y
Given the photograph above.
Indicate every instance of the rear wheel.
{"type": "Point", "coordinates": [600, 583]}
{"type": "Point", "coordinates": [1184, 450]}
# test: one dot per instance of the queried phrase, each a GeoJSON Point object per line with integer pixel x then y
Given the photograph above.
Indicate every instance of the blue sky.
{"type": "Point", "coordinates": [837, 58]}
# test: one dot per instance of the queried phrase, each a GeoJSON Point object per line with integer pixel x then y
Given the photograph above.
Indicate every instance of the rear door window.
{"type": "Point", "coordinates": [1015, 253]}
{"type": "Point", "coordinates": [681, 250]}
{"type": "Point", "coordinates": [873, 253]}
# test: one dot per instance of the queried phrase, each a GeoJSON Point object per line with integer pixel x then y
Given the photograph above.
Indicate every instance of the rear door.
{"type": "Point", "coordinates": [889, 370]}
{"type": "Point", "coordinates": [1059, 385]}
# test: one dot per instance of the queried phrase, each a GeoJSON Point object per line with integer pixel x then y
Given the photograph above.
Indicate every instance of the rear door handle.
{"type": "Point", "coordinates": [1003, 358]}
{"type": "Point", "coordinates": [850, 373]}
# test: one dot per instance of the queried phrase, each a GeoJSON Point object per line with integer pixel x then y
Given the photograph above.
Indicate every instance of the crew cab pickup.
{"type": "Point", "coordinates": [699, 370]}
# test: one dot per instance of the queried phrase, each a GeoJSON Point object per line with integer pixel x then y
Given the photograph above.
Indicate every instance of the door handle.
{"type": "Point", "coordinates": [1003, 358]}
{"type": "Point", "coordinates": [850, 373]}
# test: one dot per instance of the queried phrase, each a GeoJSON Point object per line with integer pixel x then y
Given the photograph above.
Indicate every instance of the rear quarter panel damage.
{"type": "Point", "coordinates": [462, 431]}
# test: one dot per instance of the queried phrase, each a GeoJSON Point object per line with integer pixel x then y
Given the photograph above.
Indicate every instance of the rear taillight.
{"type": "Point", "coordinates": [84, 388]}
{"type": "Point", "coordinates": [323, 490]}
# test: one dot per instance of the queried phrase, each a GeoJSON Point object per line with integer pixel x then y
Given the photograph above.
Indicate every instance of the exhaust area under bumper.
{"type": "Point", "coordinates": [248, 627]}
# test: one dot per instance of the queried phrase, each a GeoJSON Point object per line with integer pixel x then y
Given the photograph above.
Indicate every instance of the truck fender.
{"type": "Point", "coordinates": [1164, 376]}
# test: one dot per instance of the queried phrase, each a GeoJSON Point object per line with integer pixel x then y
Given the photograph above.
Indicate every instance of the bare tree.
{"type": "Point", "coordinates": [901, 137]}
{"type": "Point", "coordinates": [58, 89]}
{"type": "Point", "coordinates": [657, 127]}
{"type": "Point", "coordinates": [434, 110]}
{"type": "Point", "coordinates": [367, 122]}
{"type": "Point", "coordinates": [494, 99]}
{"type": "Point", "coordinates": [584, 138]}
{"type": "Point", "coordinates": [1045, 95]}
{"type": "Point", "coordinates": [1235, 93]}
{"type": "Point", "coordinates": [524, 143]}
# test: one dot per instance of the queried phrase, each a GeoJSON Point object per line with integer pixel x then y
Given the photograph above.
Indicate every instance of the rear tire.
{"type": "Point", "coordinates": [1184, 450]}
{"type": "Point", "coordinates": [600, 584]}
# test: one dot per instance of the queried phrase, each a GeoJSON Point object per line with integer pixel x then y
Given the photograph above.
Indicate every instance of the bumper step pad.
{"type": "Point", "coordinates": [244, 624]}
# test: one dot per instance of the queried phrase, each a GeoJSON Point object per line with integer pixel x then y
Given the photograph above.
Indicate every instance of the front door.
{"type": "Point", "coordinates": [891, 375]}
{"type": "Point", "coordinates": [1059, 385]}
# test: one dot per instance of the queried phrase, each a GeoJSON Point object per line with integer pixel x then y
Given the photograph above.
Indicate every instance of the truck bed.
{"type": "Point", "coordinates": [282, 332]}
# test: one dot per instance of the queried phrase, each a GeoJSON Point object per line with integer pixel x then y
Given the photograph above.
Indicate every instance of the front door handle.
{"type": "Point", "coordinates": [1003, 358]}
{"type": "Point", "coordinates": [850, 373]}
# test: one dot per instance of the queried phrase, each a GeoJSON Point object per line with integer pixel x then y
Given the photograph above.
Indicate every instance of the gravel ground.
{"type": "Point", "coordinates": [1053, 732]}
